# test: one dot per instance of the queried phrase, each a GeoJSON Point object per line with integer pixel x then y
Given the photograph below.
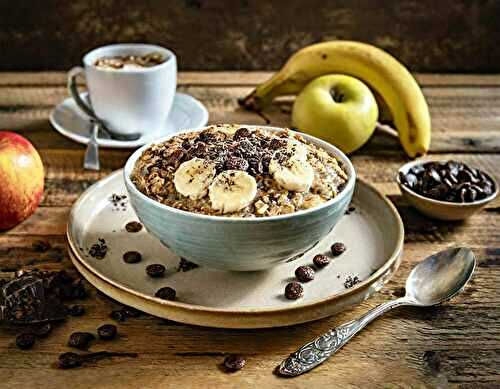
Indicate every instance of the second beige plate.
{"type": "Point", "coordinates": [373, 234]}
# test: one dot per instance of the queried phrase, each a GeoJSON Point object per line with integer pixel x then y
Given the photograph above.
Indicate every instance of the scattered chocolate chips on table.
{"type": "Point", "coordinates": [166, 293]}
{"type": "Point", "coordinates": [133, 226]}
{"type": "Point", "coordinates": [107, 331]}
{"type": "Point", "coordinates": [450, 181]}
{"type": "Point", "coordinates": [234, 362]}
{"type": "Point", "coordinates": [25, 340]}
{"type": "Point", "coordinates": [71, 360]}
{"type": "Point", "coordinates": [99, 249]}
{"type": "Point", "coordinates": [293, 291]}
{"type": "Point", "coordinates": [321, 260]}
{"type": "Point", "coordinates": [80, 340]}
{"type": "Point", "coordinates": [351, 281]}
{"type": "Point", "coordinates": [118, 315]}
{"type": "Point", "coordinates": [338, 248]}
{"type": "Point", "coordinates": [304, 273]}
{"type": "Point", "coordinates": [132, 257]}
{"type": "Point", "coordinates": [155, 270]}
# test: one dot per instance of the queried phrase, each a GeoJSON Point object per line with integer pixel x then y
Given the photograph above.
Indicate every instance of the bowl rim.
{"type": "Point", "coordinates": [346, 163]}
{"type": "Point", "coordinates": [404, 168]}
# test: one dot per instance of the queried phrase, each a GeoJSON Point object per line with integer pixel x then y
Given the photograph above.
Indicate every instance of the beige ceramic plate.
{"type": "Point", "coordinates": [373, 234]}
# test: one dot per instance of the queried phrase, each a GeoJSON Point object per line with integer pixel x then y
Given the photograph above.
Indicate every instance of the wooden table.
{"type": "Point", "coordinates": [458, 343]}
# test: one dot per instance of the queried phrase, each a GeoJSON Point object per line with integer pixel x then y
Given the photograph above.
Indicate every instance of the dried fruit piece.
{"type": "Point", "coordinates": [80, 340]}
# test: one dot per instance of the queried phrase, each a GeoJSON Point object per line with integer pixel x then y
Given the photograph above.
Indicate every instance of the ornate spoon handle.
{"type": "Point", "coordinates": [320, 349]}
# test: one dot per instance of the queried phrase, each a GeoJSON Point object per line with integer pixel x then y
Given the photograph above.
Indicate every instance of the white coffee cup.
{"type": "Point", "coordinates": [131, 100]}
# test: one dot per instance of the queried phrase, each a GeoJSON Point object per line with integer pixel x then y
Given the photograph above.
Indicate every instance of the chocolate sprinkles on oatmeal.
{"type": "Point", "coordinates": [234, 171]}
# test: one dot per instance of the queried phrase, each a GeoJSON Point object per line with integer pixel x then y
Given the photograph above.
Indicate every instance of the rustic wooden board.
{"type": "Point", "coordinates": [455, 344]}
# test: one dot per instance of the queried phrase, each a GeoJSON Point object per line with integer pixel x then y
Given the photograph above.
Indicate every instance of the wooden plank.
{"type": "Point", "coordinates": [434, 344]}
{"type": "Point", "coordinates": [240, 78]}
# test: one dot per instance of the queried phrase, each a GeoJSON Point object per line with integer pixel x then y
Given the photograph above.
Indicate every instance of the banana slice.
{"type": "Point", "coordinates": [297, 149]}
{"type": "Point", "coordinates": [295, 173]}
{"type": "Point", "coordinates": [193, 177]}
{"type": "Point", "coordinates": [232, 190]}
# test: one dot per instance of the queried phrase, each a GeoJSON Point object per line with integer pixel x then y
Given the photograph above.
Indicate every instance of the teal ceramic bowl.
{"type": "Point", "coordinates": [242, 244]}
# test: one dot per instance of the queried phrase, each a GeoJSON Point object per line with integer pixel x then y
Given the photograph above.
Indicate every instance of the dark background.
{"type": "Point", "coordinates": [429, 35]}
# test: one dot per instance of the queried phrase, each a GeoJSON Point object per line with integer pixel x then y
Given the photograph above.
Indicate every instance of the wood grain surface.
{"type": "Point", "coordinates": [427, 35]}
{"type": "Point", "coordinates": [454, 345]}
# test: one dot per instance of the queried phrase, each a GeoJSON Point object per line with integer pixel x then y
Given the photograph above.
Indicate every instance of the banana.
{"type": "Point", "coordinates": [297, 149]}
{"type": "Point", "coordinates": [193, 177]}
{"type": "Point", "coordinates": [294, 173]}
{"type": "Point", "coordinates": [232, 190]}
{"type": "Point", "coordinates": [389, 79]}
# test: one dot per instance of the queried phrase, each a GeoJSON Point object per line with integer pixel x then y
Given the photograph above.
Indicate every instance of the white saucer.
{"type": "Point", "coordinates": [186, 113]}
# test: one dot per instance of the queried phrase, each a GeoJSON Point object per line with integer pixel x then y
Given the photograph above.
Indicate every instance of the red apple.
{"type": "Point", "coordinates": [21, 179]}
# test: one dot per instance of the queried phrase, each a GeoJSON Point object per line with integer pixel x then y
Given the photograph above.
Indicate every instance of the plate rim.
{"type": "Point", "coordinates": [117, 144]}
{"type": "Point", "coordinates": [372, 279]}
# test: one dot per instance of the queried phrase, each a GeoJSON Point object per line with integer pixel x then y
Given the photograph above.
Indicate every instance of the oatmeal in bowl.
{"type": "Point", "coordinates": [238, 172]}
{"type": "Point", "coordinates": [239, 197]}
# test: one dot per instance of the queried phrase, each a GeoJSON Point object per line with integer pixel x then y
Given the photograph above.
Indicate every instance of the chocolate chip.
{"type": "Point", "coordinates": [175, 158]}
{"type": "Point", "coordinates": [166, 293]}
{"type": "Point", "coordinates": [133, 226]}
{"type": "Point", "coordinates": [338, 248]}
{"type": "Point", "coordinates": [321, 260]}
{"type": "Point", "coordinates": [80, 340]}
{"type": "Point", "coordinates": [234, 362]}
{"type": "Point", "coordinates": [132, 257]}
{"type": "Point", "coordinates": [25, 341]}
{"type": "Point", "coordinates": [107, 331]}
{"type": "Point", "coordinates": [277, 143]}
{"type": "Point", "coordinates": [235, 163]}
{"type": "Point", "coordinates": [293, 291]}
{"type": "Point", "coordinates": [76, 310]}
{"type": "Point", "coordinates": [69, 360]}
{"type": "Point", "coordinates": [155, 270]}
{"type": "Point", "coordinates": [199, 150]}
{"type": "Point", "coordinates": [304, 273]}
{"type": "Point", "coordinates": [241, 133]}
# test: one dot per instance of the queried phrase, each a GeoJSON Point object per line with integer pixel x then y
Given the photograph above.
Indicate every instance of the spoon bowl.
{"type": "Point", "coordinates": [440, 276]}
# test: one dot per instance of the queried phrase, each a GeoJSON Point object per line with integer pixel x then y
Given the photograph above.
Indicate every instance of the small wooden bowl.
{"type": "Point", "coordinates": [438, 209]}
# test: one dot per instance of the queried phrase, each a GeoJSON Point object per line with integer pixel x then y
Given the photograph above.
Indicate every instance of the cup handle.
{"type": "Point", "coordinates": [73, 90]}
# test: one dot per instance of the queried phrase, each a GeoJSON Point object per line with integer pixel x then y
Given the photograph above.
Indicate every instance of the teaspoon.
{"type": "Point", "coordinates": [433, 281]}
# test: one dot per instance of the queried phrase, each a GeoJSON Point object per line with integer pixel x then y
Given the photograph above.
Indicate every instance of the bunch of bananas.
{"type": "Point", "coordinates": [398, 95]}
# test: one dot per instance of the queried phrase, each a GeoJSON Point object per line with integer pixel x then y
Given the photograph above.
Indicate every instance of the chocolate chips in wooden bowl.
{"type": "Point", "coordinates": [448, 190]}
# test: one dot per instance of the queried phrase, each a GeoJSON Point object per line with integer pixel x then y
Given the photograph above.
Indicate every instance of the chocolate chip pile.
{"type": "Point", "coordinates": [448, 181]}
{"type": "Point", "coordinates": [245, 150]}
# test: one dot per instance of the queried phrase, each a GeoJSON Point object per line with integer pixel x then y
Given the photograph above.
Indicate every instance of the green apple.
{"type": "Point", "coordinates": [337, 108]}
